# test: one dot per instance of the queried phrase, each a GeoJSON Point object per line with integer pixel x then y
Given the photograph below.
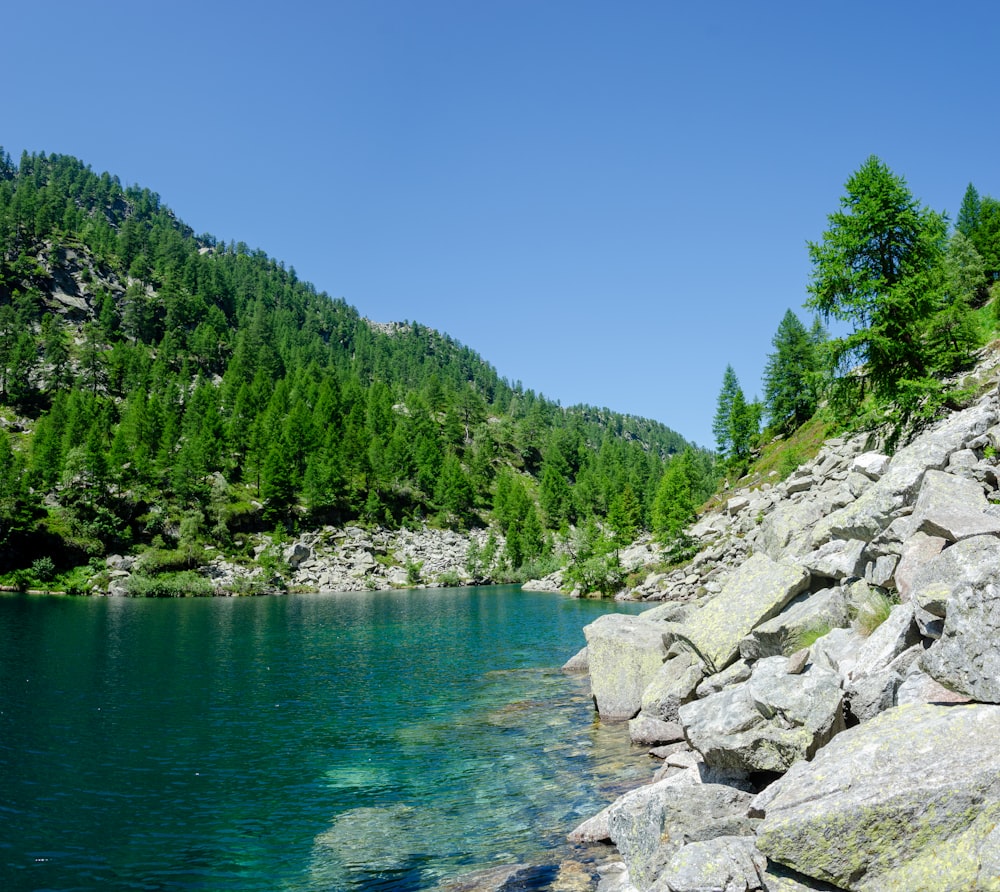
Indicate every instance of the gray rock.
{"type": "Point", "coordinates": [733, 674]}
{"type": "Point", "coordinates": [579, 662]}
{"type": "Point", "coordinates": [644, 730]}
{"type": "Point", "coordinates": [940, 491]}
{"type": "Point", "coordinates": [971, 564]}
{"type": "Point", "coordinates": [755, 592]}
{"type": "Point", "coordinates": [595, 829]}
{"type": "Point", "coordinates": [614, 878]}
{"type": "Point", "coordinates": [882, 571]}
{"type": "Point", "coordinates": [872, 464]}
{"type": "Point", "coordinates": [673, 685]}
{"type": "Point", "coordinates": [919, 688]}
{"type": "Point", "coordinates": [650, 824]}
{"type": "Point", "coordinates": [896, 634]}
{"type": "Point", "coordinates": [728, 863]}
{"type": "Point", "coordinates": [736, 504]}
{"type": "Point", "coordinates": [624, 653]}
{"type": "Point", "coordinates": [769, 722]}
{"type": "Point", "coordinates": [788, 522]}
{"type": "Point", "coordinates": [906, 801]}
{"type": "Point", "coordinates": [799, 483]}
{"type": "Point", "coordinates": [963, 460]}
{"type": "Point", "coordinates": [783, 635]}
{"type": "Point", "coordinates": [966, 659]}
{"type": "Point", "coordinates": [837, 647]}
{"type": "Point", "coordinates": [917, 551]}
{"type": "Point", "coordinates": [836, 559]}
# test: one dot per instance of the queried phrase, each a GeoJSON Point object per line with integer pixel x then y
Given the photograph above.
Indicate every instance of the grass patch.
{"type": "Point", "coordinates": [871, 610]}
{"type": "Point", "coordinates": [810, 635]}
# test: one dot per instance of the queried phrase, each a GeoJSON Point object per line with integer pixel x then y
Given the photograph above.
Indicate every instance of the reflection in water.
{"type": "Point", "coordinates": [324, 742]}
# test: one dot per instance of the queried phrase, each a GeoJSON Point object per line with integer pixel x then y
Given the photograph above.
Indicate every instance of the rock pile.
{"type": "Point", "coordinates": [807, 745]}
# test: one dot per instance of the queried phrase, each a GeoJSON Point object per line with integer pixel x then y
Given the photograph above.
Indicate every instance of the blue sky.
{"type": "Point", "coordinates": [609, 202]}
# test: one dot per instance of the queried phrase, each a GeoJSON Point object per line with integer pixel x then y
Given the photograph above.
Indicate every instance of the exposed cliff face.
{"type": "Point", "coordinates": [841, 656]}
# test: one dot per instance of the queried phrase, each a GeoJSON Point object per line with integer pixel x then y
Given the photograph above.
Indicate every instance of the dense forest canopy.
{"type": "Point", "coordinates": [166, 388]}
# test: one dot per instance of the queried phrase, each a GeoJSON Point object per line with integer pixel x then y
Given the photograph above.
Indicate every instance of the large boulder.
{"type": "Point", "coordinates": [968, 566]}
{"type": "Point", "coordinates": [752, 594]}
{"type": "Point", "coordinates": [953, 508]}
{"type": "Point", "coordinates": [673, 685]}
{"type": "Point", "coordinates": [897, 633]}
{"type": "Point", "coordinates": [729, 863]}
{"type": "Point", "coordinates": [768, 722]}
{"type": "Point", "coordinates": [964, 581]}
{"type": "Point", "coordinates": [650, 824]}
{"type": "Point", "coordinates": [624, 653]}
{"type": "Point", "coordinates": [836, 559]}
{"type": "Point", "coordinates": [909, 800]}
{"type": "Point", "coordinates": [785, 633]}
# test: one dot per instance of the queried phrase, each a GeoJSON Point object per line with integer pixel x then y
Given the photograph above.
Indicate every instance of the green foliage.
{"type": "Point", "coordinates": [871, 611]}
{"type": "Point", "coordinates": [185, 584]}
{"type": "Point", "coordinates": [449, 579]}
{"type": "Point", "coordinates": [413, 571]}
{"type": "Point", "coordinates": [810, 635]}
{"type": "Point", "coordinates": [216, 394]}
{"type": "Point", "coordinates": [793, 377]}
{"type": "Point", "coordinates": [881, 267]}
{"type": "Point", "coordinates": [721, 424]}
{"type": "Point", "coordinates": [593, 562]}
{"type": "Point", "coordinates": [737, 422]}
{"type": "Point", "coordinates": [676, 499]}
{"type": "Point", "coordinates": [43, 569]}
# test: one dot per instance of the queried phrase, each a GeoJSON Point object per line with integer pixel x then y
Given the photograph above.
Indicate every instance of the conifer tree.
{"type": "Point", "coordinates": [790, 375]}
{"type": "Point", "coordinates": [880, 267]}
{"type": "Point", "coordinates": [721, 423]}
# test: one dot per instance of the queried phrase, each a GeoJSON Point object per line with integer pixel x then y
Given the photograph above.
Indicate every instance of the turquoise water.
{"type": "Point", "coordinates": [317, 742]}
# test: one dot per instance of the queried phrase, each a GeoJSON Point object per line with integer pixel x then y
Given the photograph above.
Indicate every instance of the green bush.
{"type": "Point", "coordinates": [185, 584]}
{"type": "Point", "coordinates": [449, 579]}
{"type": "Point", "coordinates": [44, 569]}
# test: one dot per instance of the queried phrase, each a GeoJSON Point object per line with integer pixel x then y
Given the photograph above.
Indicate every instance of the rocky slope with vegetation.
{"type": "Point", "coordinates": [826, 711]}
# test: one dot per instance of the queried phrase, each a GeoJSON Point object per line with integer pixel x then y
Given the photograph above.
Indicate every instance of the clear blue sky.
{"type": "Point", "coordinates": [609, 202]}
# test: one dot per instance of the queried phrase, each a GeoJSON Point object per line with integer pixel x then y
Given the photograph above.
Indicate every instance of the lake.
{"type": "Point", "coordinates": [376, 741]}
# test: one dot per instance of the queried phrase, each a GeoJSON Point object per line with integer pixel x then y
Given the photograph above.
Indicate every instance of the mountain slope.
{"type": "Point", "coordinates": [171, 390]}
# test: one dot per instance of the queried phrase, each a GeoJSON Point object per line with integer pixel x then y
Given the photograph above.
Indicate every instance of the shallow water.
{"type": "Point", "coordinates": [377, 741]}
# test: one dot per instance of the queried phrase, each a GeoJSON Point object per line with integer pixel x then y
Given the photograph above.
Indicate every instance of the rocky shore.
{"type": "Point", "coordinates": [822, 687]}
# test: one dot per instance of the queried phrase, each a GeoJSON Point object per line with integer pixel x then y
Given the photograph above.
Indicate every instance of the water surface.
{"type": "Point", "coordinates": [340, 741]}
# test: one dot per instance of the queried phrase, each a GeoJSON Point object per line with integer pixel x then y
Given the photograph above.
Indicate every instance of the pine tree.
{"type": "Point", "coordinates": [880, 267]}
{"type": "Point", "coordinates": [674, 504]}
{"type": "Point", "coordinates": [720, 425]}
{"type": "Point", "coordinates": [790, 376]}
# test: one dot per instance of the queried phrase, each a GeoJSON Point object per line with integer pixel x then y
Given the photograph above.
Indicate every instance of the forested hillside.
{"type": "Point", "coordinates": [159, 388]}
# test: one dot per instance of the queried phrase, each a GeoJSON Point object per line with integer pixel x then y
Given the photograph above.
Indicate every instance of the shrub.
{"type": "Point", "coordinates": [413, 569]}
{"type": "Point", "coordinates": [449, 579]}
{"type": "Point", "coordinates": [44, 569]}
{"type": "Point", "coordinates": [185, 584]}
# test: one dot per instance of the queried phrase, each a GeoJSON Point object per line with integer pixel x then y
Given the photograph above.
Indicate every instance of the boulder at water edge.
{"type": "Point", "coordinates": [624, 653]}
{"type": "Point", "coordinates": [907, 801]}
